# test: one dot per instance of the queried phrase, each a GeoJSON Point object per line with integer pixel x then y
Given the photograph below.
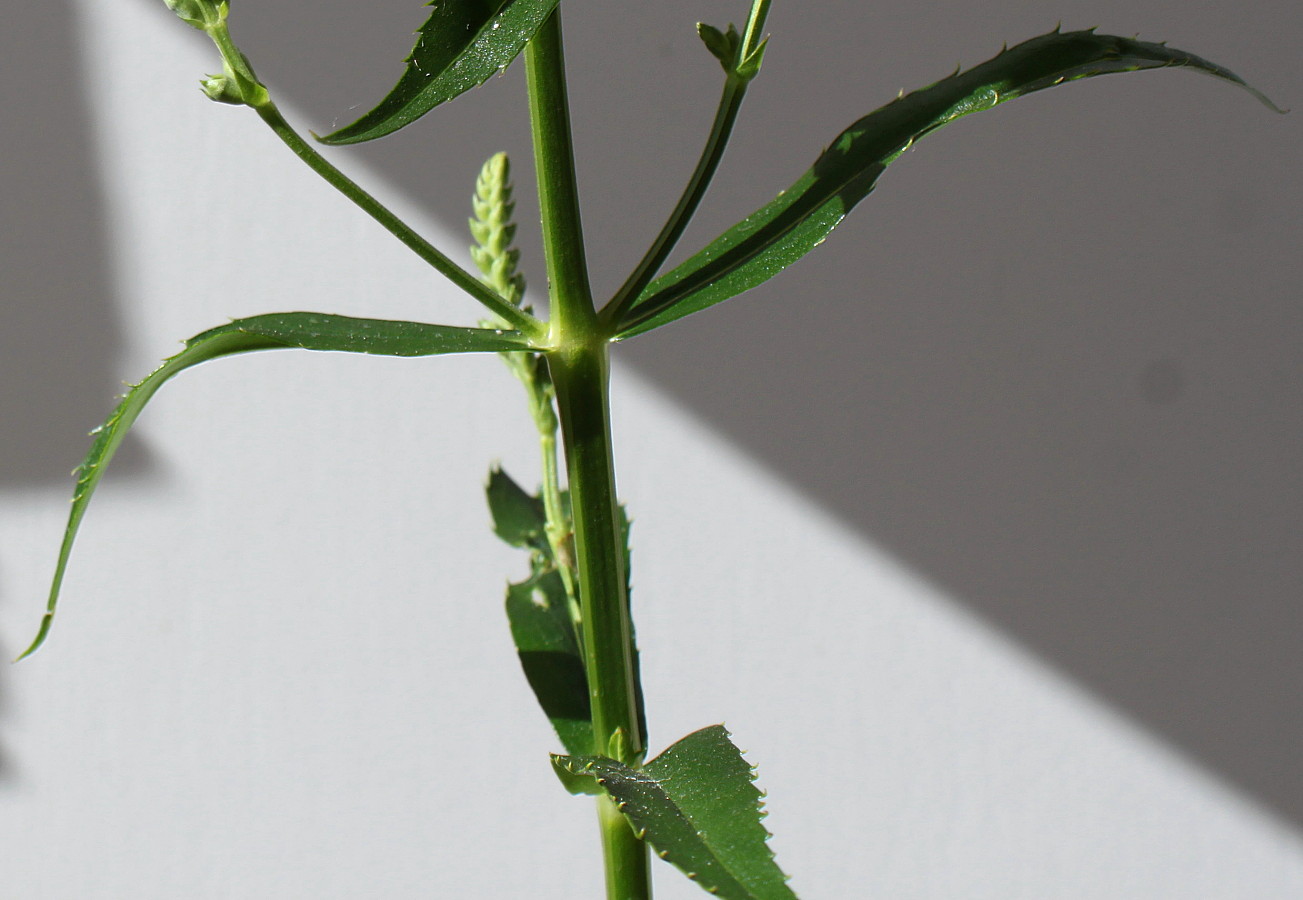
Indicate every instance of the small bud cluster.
{"type": "Point", "coordinates": [494, 231]}
{"type": "Point", "coordinates": [726, 46]}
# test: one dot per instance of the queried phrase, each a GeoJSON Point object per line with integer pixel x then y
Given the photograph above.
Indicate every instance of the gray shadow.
{"type": "Point", "coordinates": [1052, 364]}
{"type": "Point", "coordinates": [59, 330]}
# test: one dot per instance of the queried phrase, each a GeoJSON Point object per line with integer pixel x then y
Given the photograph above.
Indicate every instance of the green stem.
{"type": "Point", "coordinates": [755, 25]}
{"type": "Point", "coordinates": [512, 315]}
{"type": "Point", "coordinates": [573, 317]}
{"type": "Point", "coordinates": [580, 373]}
{"type": "Point", "coordinates": [255, 95]}
{"type": "Point", "coordinates": [627, 876]}
{"type": "Point", "coordinates": [581, 380]}
{"type": "Point", "coordinates": [730, 102]}
{"type": "Point", "coordinates": [725, 115]}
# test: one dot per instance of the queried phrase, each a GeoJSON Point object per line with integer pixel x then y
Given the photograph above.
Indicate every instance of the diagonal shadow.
{"type": "Point", "coordinates": [1039, 367]}
{"type": "Point", "coordinates": [59, 331]}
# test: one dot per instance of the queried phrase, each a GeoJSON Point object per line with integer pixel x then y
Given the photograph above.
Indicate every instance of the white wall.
{"type": "Point", "coordinates": [281, 667]}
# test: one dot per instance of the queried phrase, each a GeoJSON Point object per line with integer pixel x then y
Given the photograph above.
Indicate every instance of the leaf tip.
{"type": "Point", "coordinates": [41, 634]}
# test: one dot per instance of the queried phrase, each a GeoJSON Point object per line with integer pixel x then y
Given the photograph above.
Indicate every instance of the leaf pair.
{"type": "Point", "coordinates": [301, 330]}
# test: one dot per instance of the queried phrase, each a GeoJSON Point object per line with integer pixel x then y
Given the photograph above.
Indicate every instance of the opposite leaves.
{"type": "Point", "coordinates": [307, 331]}
{"type": "Point", "coordinates": [458, 48]}
{"type": "Point", "coordinates": [696, 804]}
{"type": "Point", "coordinates": [799, 219]}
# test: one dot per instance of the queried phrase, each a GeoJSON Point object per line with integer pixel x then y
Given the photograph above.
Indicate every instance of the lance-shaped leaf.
{"type": "Point", "coordinates": [542, 617]}
{"type": "Point", "coordinates": [458, 48]}
{"type": "Point", "coordinates": [545, 639]}
{"type": "Point", "coordinates": [799, 219]}
{"type": "Point", "coordinates": [697, 806]}
{"type": "Point", "coordinates": [308, 331]}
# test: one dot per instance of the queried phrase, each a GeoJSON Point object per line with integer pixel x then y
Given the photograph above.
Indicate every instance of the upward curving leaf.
{"type": "Point", "coordinates": [458, 48]}
{"type": "Point", "coordinates": [307, 331]}
{"type": "Point", "coordinates": [799, 219]}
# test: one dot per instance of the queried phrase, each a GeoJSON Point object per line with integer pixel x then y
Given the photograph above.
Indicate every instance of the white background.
{"type": "Point", "coordinates": [982, 536]}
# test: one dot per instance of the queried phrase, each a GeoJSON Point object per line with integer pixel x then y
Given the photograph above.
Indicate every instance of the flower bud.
{"type": "Point", "coordinates": [222, 89]}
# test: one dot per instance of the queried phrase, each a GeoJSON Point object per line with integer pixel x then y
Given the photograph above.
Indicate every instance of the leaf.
{"type": "Point", "coordinates": [800, 218]}
{"type": "Point", "coordinates": [639, 701]}
{"type": "Point", "coordinates": [308, 331]}
{"type": "Point", "coordinates": [518, 518]}
{"type": "Point", "coordinates": [458, 48]}
{"type": "Point", "coordinates": [539, 612]}
{"type": "Point", "coordinates": [544, 633]}
{"type": "Point", "coordinates": [697, 806]}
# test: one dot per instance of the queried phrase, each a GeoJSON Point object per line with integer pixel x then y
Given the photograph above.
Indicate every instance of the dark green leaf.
{"type": "Point", "coordinates": [721, 44]}
{"type": "Point", "coordinates": [458, 48]}
{"type": "Point", "coordinates": [799, 219]}
{"type": "Point", "coordinates": [697, 806]}
{"type": "Point", "coordinates": [640, 702]}
{"type": "Point", "coordinates": [544, 633]}
{"type": "Point", "coordinates": [308, 331]}
{"type": "Point", "coordinates": [518, 518]}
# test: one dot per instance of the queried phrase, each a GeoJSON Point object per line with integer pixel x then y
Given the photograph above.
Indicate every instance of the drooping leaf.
{"type": "Point", "coordinates": [308, 331]}
{"type": "Point", "coordinates": [458, 48]}
{"type": "Point", "coordinates": [698, 808]}
{"type": "Point", "coordinates": [799, 219]}
{"type": "Point", "coordinates": [518, 518]}
{"type": "Point", "coordinates": [544, 634]}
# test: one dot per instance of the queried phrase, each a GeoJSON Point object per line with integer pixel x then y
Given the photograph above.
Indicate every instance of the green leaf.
{"type": "Point", "coordinates": [458, 48]}
{"type": "Point", "coordinates": [308, 331]}
{"type": "Point", "coordinates": [697, 806]}
{"type": "Point", "coordinates": [544, 633]}
{"type": "Point", "coordinates": [518, 518]}
{"type": "Point", "coordinates": [799, 219]}
{"type": "Point", "coordinates": [626, 525]}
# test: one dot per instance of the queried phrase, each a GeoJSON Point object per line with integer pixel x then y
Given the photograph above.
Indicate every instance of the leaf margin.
{"type": "Point", "coordinates": [673, 770]}
{"type": "Point", "coordinates": [666, 300]}
{"type": "Point", "coordinates": [510, 28]}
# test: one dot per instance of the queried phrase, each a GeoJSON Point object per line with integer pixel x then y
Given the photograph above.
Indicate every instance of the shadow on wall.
{"type": "Point", "coordinates": [1031, 366]}
{"type": "Point", "coordinates": [59, 331]}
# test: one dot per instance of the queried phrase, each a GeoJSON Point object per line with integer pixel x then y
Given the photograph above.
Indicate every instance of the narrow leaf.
{"type": "Point", "coordinates": [308, 331]}
{"type": "Point", "coordinates": [799, 219]}
{"type": "Point", "coordinates": [698, 808]}
{"type": "Point", "coordinates": [626, 525]}
{"type": "Point", "coordinates": [458, 48]}
{"type": "Point", "coordinates": [544, 634]}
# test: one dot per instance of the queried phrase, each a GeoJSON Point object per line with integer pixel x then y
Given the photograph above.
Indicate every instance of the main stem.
{"type": "Point", "coordinates": [580, 373]}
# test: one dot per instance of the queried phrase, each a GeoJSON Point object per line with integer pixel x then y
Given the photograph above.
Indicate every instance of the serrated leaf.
{"type": "Point", "coordinates": [544, 634]}
{"type": "Point", "coordinates": [308, 331]}
{"type": "Point", "coordinates": [778, 234]}
{"type": "Point", "coordinates": [698, 808]}
{"type": "Point", "coordinates": [518, 517]}
{"type": "Point", "coordinates": [639, 702]}
{"type": "Point", "coordinates": [458, 48]}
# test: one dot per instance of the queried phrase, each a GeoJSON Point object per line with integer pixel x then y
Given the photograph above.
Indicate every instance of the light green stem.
{"type": "Point", "coordinates": [513, 316]}
{"type": "Point", "coordinates": [256, 96]}
{"type": "Point", "coordinates": [579, 366]}
{"type": "Point", "coordinates": [730, 102]}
